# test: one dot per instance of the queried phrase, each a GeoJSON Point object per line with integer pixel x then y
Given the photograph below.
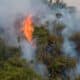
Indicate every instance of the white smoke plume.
{"type": "Point", "coordinates": [9, 9]}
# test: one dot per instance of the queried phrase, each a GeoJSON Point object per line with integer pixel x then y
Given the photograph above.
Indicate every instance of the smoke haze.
{"type": "Point", "coordinates": [9, 9]}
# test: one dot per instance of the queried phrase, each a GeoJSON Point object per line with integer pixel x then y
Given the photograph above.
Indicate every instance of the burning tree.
{"type": "Point", "coordinates": [27, 28]}
{"type": "Point", "coordinates": [48, 50]}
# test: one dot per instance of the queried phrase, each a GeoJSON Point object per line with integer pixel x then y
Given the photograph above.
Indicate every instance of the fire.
{"type": "Point", "coordinates": [27, 28]}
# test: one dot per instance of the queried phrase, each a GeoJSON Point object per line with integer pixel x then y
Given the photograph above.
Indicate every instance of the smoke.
{"type": "Point", "coordinates": [27, 50]}
{"type": "Point", "coordinates": [41, 69]}
{"type": "Point", "coordinates": [10, 9]}
{"type": "Point", "coordinates": [69, 48]}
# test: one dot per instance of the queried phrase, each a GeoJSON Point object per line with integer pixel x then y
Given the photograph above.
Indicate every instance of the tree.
{"type": "Point", "coordinates": [49, 53]}
{"type": "Point", "coordinates": [13, 67]}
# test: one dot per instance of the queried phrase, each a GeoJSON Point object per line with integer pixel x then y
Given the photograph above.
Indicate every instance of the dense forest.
{"type": "Point", "coordinates": [49, 53]}
{"type": "Point", "coordinates": [14, 67]}
{"type": "Point", "coordinates": [47, 31]}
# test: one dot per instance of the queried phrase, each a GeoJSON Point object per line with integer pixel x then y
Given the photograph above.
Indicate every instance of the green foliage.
{"type": "Point", "coordinates": [12, 66]}
{"type": "Point", "coordinates": [10, 72]}
{"type": "Point", "coordinates": [58, 27]}
{"type": "Point", "coordinates": [41, 33]}
{"type": "Point", "coordinates": [49, 53]}
{"type": "Point", "coordinates": [66, 62]}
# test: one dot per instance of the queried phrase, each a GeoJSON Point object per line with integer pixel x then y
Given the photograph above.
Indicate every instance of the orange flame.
{"type": "Point", "coordinates": [27, 28]}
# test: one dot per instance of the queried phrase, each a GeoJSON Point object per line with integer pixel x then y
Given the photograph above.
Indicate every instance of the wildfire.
{"type": "Point", "coordinates": [27, 28]}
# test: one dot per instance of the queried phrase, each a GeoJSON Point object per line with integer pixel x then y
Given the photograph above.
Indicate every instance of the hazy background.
{"type": "Point", "coordinates": [75, 3]}
{"type": "Point", "coordinates": [9, 9]}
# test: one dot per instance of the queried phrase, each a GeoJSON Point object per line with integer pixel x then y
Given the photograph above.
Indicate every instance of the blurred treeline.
{"type": "Point", "coordinates": [12, 66]}
{"type": "Point", "coordinates": [49, 53]}
{"type": "Point", "coordinates": [59, 66]}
